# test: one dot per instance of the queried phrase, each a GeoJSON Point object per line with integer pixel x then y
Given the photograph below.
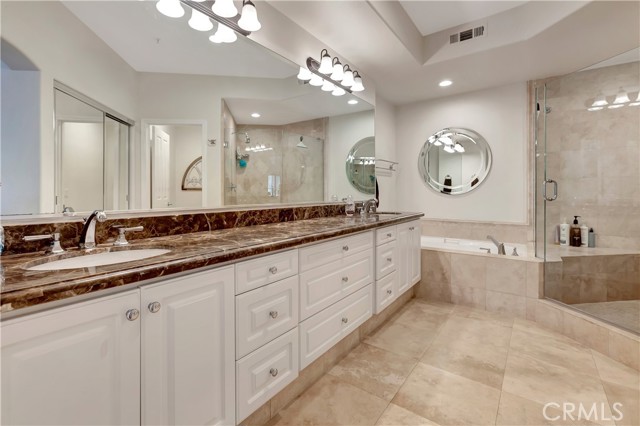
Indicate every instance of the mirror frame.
{"type": "Point", "coordinates": [463, 188]}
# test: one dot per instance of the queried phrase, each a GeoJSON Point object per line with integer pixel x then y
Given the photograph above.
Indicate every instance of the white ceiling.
{"type": "Point", "coordinates": [432, 16]}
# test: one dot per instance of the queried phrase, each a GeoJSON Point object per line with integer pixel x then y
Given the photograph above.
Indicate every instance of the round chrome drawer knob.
{"type": "Point", "coordinates": [389, 235]}
{"type": "Point", "coordinates": [154, 307]}
{"type": "Point", "coordinates": [389, 291]}
{"type": "Point", "coordinates": [273, 269]}
{"type": "Point", "coordinates": [345, 320]}
{"type": "Point", "coordinates": [273, 314]}
{"type": "Point", "coordinates": [345, 248]}
{"type": "Point", "coordinates": [132, 314]}
{"type": "Point", "coordinates": [389, 259]}
{"type": "Point", "coordinates": [273, 372]}
{"type": "Point", "coordinates": [345, 279]}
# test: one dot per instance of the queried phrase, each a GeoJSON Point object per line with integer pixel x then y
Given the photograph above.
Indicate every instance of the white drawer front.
{"type": "Point", "coordinates": [386, 291]}
{"type": "Point", "coordinates": [265, 372]}
{"type": "Point", "coordinates": [323, 253]}
{"type": "Point", "coordinates": [325, 285]}
{"type": "Point", "coordinates": [265, 313]}
{"type": "Point", "coordinates": [386, 259]}
{"type": "Point", "coordinates": [386, 234]}
{"type": "Point", "coordinates": [323, 330]}
{"type": "Point", "coordinates": [255, 273]}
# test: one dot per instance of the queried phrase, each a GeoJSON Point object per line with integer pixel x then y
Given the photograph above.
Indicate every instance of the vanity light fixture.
{"type": "Point", "coordinates": [445, 83]}
{"type": "Point", "coordinates": [621, 98]}
{"type": "Point", "coordinates": [331, 75]}
{"type": "Point", "coordinates": [596, 108]}
{"type": "Point", "coordinates": [222, 11]}
{"type": "Point", "coordinates": [449, 149]}
{"type": "Point", "coordinates": [600, 101]}
{"type": "Point", "coordinates": [636, 102]}
{"type": "Point", "coordinates": [615, 106]}
{"type": "Point", "coordinates": [458, 147]}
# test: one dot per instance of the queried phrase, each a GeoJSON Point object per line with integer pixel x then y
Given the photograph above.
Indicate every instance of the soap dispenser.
{"type": "Point", "coordinates": [564, 233]}
{"type": "Point", "coordinates": [574, 235]}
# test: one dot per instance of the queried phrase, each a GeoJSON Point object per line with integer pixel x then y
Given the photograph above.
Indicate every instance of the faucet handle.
{"type": "Point", "coordinates": [55, 244]}
{"type": "Point", "coordinates": [122, 230]}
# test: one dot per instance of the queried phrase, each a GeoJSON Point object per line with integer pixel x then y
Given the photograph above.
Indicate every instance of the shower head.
{"type": "Point", "coordinates": [301, 144]}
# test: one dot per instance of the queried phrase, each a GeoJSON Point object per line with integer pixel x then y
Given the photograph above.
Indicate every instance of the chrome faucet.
{"type": "Point", "coordinates": [88, 235]}
{"type": "Point", "coordinates": [498, 244]}
{"type": "Point", "coordinates": [369, 206]}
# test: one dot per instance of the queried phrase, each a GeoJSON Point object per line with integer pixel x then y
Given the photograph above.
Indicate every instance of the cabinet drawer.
{"type": "Point", "coordinates": [326, 284]}
{"type": "Point", "coordinates": [386, 259]}
{"type": "Point", "coordinates": [386, 234]}
{"type": "Point", "coordinates": [265, 372]}
{"type": "Point", "coordinates": [265, 313]}
{"type": "Point", "coordinates": [323, 330]}
{"type": "Point", "coordinates": [321, 254]}
{"type": "Point", "coordinates": [386, 291]}
{"type": "Point", "coordinates": [255, 273]}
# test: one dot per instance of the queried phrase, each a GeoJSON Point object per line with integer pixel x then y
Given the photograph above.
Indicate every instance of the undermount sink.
{"type": "Point", "coordinates": [99, 259]}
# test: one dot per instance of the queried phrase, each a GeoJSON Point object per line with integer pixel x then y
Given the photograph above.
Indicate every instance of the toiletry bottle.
{"type": "Point", "coordinates": [564, 232]}
{"type": "Point", "coordinates": [592, 238]}
{"type": "Point", "coordinates": [574, 233]}
{"type": "Point", "coordinates": [350, 208]}
{"type": "Point", "coordinates": [584, 235]}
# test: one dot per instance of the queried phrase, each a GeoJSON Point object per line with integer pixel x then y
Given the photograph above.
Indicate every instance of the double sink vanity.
{"type": "Point", "coordinates": [206, 331]}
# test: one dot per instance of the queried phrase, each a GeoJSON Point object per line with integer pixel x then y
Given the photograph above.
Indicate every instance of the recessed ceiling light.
{"type": "Point", "coordinates": [445, 83]}
{"type": "Point", "coordinates": [352, 102]}
{"type": "Point", "coordinates": [255, 115]}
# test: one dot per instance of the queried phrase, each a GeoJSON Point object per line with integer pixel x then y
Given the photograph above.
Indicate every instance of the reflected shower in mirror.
{"type": "Point", "coordinates": [454, 161]}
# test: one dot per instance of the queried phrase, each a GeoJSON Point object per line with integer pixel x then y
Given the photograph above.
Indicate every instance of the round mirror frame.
{"type": "Point", "coordinates": [456, 136]}
{"type": "Point", "coordinates": [350, 166]}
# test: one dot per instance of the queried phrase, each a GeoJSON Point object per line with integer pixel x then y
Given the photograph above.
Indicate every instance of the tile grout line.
{"type": "Point", "coordinates": [506, 361]}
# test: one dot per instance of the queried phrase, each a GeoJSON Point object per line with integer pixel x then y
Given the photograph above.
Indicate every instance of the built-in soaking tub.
{"type": "Point", "coordinates": [469, 246]}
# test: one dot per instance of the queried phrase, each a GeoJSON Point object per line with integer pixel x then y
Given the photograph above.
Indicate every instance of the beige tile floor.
{"type": "Point", "coordinates": [441, 364]}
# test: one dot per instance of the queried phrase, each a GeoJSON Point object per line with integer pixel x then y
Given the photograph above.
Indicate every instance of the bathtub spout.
{"type": "Point", "coordinates": [498, 244]}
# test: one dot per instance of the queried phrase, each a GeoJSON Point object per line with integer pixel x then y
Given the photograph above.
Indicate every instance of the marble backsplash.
{"type": "Point", "coordinates": [161, 226]}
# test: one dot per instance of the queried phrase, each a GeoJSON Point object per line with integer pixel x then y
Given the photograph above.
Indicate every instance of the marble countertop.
{"type": "Point", "coordinates": [22, 288]}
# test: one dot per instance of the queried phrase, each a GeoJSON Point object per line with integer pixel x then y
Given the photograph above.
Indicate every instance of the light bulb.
{"type": "Point", "coordinates": [347, 81]}
{"type": "Point", "coordinates": [224, 8]}
{"type": "Point", "coordinates": [338, 73]}
{"type": "Point", "coordinates": [449, 149]}
{"type": "Point", "coordinates": [600, 101]}
{"type": "Point", "coordinates": [357, 82]}
{"type": "Point", "coordinates": [597, 108]}
{"type": "Point", "coordinates": [338, 91]}
{"type": "Point", "coordinates": [325, 63]}
{"type": "Point", "coordinates": [199, 21]}
{"type": "Point", "coordinates": [249, 19]}
{"type": "Point", "coordinates": [621, 97]}
{"type": "Point", "coordinates": [458, 147]}
{"type": "Point", "coordinates": [328, 86]}
{"type": "Point", "coordinates": [437, 143]}
{"type": "Point", "coordinates": [304, 74]}
{"type": "Point", "coordinates": [316, 80]}
{"type": "Point", "coordinates": [446, 140]}
{"type": "Point", "coordinates": [170, 8]}
{"type": "Point", "coordinates": [431, 139]}
{"type": "Point", "coordinates": [614, 106]}
{"type": "Point", "coordinates": [223, 34]}
{"type": "Point", "coordinates": [636, 102]}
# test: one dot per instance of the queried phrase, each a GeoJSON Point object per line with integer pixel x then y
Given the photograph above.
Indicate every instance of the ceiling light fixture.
{"type": "Point", "coordinates": [331, 75]}
{"type": "Point", "coordinates": [255, 115]}
{"type": "Point", "coordinates": [352, 102]}
{"type": "Point", "coordinates": [445, 83]}
{"type": "Point", "coordinates": [222, 11]}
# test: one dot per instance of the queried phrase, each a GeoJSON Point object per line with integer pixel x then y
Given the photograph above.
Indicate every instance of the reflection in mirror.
{"type": "Point", "coordinates": [92, 171]}
{"type": "Point", "coordinates": [454, 161]}
{"type": "Point", "coordinates": [158, 71]}
{"type": "Point", "coordinates": [361, 166]}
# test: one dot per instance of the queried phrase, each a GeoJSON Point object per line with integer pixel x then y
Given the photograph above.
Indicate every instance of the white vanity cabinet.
{"type": "Point", "coordinates": [188, 350]}
{"type": "Point", "coordinates": [408, 242]}
{"type": "Point", "coordinates": [161, 354]}
{"type": "Point", "coordinates": [77, 364]}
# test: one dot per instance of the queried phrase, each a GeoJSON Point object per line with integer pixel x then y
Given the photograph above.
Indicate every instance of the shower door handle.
{"type": "Point", "coordinates": [555, 190]}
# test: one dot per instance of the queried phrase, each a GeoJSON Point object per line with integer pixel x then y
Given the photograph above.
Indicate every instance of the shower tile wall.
{"type": "Point", "coordinates": [595, 156]}
{"type": "Point", "coordinates": [300, 170]}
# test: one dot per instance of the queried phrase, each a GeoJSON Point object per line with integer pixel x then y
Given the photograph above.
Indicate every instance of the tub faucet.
{"type": "Point", "coordinates": [88, 235]}
{"type": "Point", "coordinates": [369, 206]}
{"type": "Point", "coordinates": [498, 244]}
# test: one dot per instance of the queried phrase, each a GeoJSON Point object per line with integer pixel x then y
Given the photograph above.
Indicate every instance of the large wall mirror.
{"type": "Point", "coordinates": [454, 161]}
{"type": "Point", "coordinates": [166, 96]}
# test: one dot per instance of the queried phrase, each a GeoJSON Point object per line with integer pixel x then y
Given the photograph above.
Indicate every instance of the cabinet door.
{"type": "Point", "coordinates": [404, 258]}
{"type": "Point", "coordinates": [78, 364]}
{"type": "Point", "coordinates": [415, 252]}
{"type": "Point", "coordinates": [188, 350]}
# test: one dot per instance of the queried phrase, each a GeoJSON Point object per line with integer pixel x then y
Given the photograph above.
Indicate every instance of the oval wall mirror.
{"type": "Point", "coordinates": [361, 165]}
{"type": "Point", "coordinates": [454, 161]}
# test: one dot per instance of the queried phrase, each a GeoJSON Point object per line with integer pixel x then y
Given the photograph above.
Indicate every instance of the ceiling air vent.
{"type": "Point", "coordinates": [468, 34]}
